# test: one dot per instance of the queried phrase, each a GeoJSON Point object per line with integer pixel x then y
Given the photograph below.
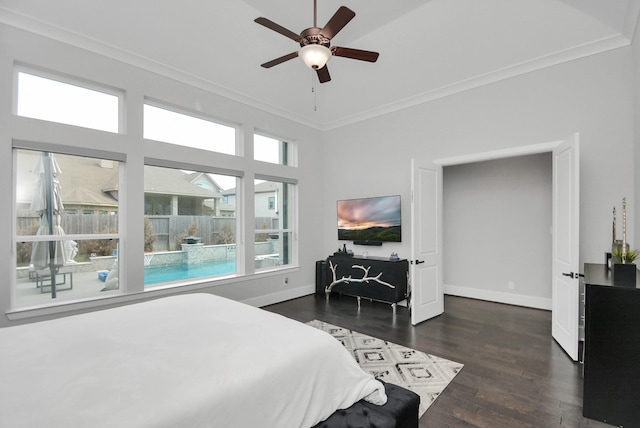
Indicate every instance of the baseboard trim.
{"type": "Point", "coordinates": [280, 296]}
{"type": "Point", "coordinates": [453, 290]}
{"type": "Point", "coordinates": [498, 297]}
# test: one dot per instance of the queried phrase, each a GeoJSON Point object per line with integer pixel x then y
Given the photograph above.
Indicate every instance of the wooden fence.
{"type": "Point", "coordinates": [168, 230]}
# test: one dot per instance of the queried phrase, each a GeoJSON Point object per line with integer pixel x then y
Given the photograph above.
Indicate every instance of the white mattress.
{"type": "Point", "coordinates": [185, 361]}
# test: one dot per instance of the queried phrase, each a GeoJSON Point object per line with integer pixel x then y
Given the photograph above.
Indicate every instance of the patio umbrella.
{"type": "Point", "coordinates": [47, 202]}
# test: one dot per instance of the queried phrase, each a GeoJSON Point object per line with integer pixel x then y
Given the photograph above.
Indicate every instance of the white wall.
{"type": "Point", "coordinates": [26, 48]}
{"type": "Point", "coordinates": [592, 96]}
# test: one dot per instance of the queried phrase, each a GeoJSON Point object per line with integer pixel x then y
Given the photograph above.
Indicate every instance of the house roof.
{"type": "Point", "coordinates": [83, 181]}
{"type": "Point", "coordinates": [198, 177]}
{"type": "Point", "coordinates": [174, 182]}
{"type": "Point", "coordinates": [428, 48]}
{"type": "Point", "coordinates": [262, 187]}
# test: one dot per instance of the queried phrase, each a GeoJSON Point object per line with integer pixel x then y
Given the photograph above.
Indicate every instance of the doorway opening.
{"type": "Point", "coordinates": [497, 230]}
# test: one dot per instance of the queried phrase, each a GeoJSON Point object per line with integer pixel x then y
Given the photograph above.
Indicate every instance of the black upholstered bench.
{"type": "Point", "coordinates": [400, 411]}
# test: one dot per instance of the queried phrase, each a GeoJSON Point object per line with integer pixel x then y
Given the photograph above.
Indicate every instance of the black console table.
{"type": "Point", "coordinates": [612, 348]}
{"type": "Point", "coordinates": [374, 278]}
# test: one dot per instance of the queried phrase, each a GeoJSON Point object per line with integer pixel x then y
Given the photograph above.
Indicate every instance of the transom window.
{"type": "Point", "coordinates": [267, 149]}
{"type": "Point", "coordinates": [178, 128]}
{"type": "Point", "coordinates": [72, 104]}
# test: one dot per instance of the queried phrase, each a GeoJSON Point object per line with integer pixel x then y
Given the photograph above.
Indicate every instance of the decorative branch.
{"type": "Point", "coordinates": [614, 225]}
{"type": "Point", "coordinates": [365, 277]}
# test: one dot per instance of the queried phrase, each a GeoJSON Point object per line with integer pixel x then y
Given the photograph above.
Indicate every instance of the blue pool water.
{"type": "Point", "coordinates": [154, 274]}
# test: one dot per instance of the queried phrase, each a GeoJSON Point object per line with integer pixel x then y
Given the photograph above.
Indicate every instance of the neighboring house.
{"type": "Point", "coordinates": [217, 205]}
{"type": "Point", "coordinates": [88, 187]}
{"type": "Point", "coordinates": [174, 192]}
{"type": "Point", "coordinates": [79, 194]}
{"type": "Point", "coordinates": [266, 203]}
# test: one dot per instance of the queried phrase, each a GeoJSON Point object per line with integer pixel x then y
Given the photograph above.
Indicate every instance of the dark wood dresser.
{"type": "Point", "coordinates": [612, 349]}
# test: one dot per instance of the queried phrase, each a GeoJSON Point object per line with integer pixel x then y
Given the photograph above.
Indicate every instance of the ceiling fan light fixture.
{"type": "Point", "coordinates": [315, 56]}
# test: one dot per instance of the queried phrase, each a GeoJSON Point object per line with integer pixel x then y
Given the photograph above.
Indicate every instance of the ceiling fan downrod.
{"type": "Point", "coordinates": [315, 13]}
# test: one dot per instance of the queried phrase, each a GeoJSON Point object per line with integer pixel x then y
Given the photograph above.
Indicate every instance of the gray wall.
{"type": "Point", "coordinates": [497, 229]}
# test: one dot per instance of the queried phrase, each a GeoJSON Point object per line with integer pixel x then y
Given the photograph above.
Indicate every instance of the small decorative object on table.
{"type": "Point", "coordinates": [343, 252]}
{"type": "Point", "coordinates": [394, 256]}
{"type": "Point", "coordinates": [624, 270]}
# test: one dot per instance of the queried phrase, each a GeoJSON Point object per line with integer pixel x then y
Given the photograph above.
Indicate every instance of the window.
{"type": "Point", "coordinates": [189, 231]}
{"type": "Point", "coordinates": [270, 150]}
{"type": "Point", "coordinates": [55, 101]}
{"type": "Point", "coordinates": [274, 227]}
{"type": "Point", "coordinates": [184, 130]}
{"type": "Point", "coordinates": [66, 233]}
{"type": "Point", "coordinates": [61, 254]}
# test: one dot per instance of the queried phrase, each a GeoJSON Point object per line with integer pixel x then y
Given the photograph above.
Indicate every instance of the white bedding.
{"type": "Point", "coordinates": [185, 361]}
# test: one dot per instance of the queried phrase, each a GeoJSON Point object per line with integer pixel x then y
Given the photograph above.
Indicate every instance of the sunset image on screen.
{"type": "Point", "coordinates": [373, 219]}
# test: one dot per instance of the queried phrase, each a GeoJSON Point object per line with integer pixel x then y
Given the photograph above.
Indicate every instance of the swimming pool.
{"type": "Point", "coordinates": [155, 274]}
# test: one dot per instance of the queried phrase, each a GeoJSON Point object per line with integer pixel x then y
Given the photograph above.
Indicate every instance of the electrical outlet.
{"type": "Point", "coordinates": [511, 285]}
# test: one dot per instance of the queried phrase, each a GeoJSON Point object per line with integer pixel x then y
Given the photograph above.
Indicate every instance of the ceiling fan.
{"type": "Point", "coordinates": [315, 43]}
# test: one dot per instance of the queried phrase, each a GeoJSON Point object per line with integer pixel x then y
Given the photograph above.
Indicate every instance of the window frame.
{"type": "Point", "coordinates": [286, 155]}
{"type": "Point", "coordinates": [172, 164]}
{"type": "Point", "coordinates": [292, 219]}
{"type": "Point", "coordinates": [70, 139]}
{"type": "Point", "coordinates": [195, 115]}
{"type": "Point", "coordinates": [16, 238]}
{"type": "Point", "coordinates": [73, 81]}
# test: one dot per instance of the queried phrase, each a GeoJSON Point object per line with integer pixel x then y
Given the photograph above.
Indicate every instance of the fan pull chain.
{"type": "Point", "coordinates": [314, 91]}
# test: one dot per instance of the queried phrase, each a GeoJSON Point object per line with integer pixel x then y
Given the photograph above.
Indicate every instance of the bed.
{"type": "Point", "coordinates": [193, 360]}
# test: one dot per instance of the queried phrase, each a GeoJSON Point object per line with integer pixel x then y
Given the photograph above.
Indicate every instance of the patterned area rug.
{"type": "Point", "coordinates": [424, 374]}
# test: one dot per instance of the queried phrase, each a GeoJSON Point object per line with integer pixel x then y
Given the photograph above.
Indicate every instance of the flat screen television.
{"type": "Point", "coordinates": [370, 219]}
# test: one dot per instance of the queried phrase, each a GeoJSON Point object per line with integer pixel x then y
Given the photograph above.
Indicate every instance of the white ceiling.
{"type": "Point", "coordinates": [428, 48]}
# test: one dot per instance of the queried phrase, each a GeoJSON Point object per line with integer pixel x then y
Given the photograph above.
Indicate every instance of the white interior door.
{"type": "Point", "coordinates": [565, 285]}
{"type": "Point", "coordinates": [427, 296]}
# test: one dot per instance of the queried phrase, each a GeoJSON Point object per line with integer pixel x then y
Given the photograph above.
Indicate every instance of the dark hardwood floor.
{"type": "Point", "coordinates": [515, 374]}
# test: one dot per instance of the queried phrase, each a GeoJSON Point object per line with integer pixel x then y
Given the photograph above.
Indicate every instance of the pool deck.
{"type": "Point", "coordinates": [85, 285]}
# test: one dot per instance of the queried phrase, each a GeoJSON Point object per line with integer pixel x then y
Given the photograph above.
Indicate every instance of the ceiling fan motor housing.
{"type": "Point", "coordinates": [312, 36]}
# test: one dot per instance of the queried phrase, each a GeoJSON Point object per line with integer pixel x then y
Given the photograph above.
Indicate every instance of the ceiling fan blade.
{"type": "Point", "coordinates": [280, 60]}
{"type": "Point", "coordinates": [337, 22]}
{"type": "Point", "coordinates": [278, 28]}
{"type": "Point", "coordinates": [355, 54]}
{"type": "Point", "coordinates": [323, 74]}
